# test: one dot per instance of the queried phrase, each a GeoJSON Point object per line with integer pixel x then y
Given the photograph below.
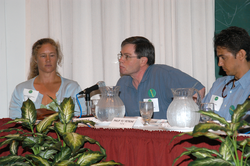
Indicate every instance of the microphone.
{"type": "Point", "coordinates": [92, 88]}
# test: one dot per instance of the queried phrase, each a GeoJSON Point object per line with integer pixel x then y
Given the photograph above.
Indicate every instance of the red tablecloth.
{"type": "Point", "coordinates": [134, 147]}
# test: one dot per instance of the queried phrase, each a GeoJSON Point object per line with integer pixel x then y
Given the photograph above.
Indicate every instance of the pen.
{"type": "Point", "coordinates": [89, 125]}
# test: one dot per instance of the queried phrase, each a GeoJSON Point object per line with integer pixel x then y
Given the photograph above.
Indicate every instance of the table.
{"type": "Point", "coordinates": [134, 147]}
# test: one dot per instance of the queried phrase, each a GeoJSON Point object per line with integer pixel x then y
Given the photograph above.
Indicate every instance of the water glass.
{"type": "Point", "coordinates": [93, 106]}
{"type": "Point", "coordinates": [206, 107]}
{"type": "Point", "coordinates": [146, 110]}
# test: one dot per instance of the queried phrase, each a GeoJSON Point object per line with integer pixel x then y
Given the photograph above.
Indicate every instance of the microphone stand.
{"type": "Point", "coordinates": [88, 104]}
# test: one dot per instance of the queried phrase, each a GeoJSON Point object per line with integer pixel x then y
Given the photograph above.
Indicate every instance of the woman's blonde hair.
{"type": "Point", "coordinates": [36, 46]}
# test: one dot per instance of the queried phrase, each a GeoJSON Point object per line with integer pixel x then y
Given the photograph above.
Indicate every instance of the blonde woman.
{"type": "Point", "coordinates": [44, 81]}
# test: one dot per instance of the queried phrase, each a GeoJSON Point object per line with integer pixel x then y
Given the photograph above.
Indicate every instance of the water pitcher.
{"type": "Point", "coordinates": [110, 105]}
{"type": "Point", "coordinates": [182, 110]}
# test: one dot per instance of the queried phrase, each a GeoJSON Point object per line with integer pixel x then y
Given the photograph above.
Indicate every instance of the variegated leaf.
{"type": "Point", "coordinates": [39, 160]}
{"type": "Point", "coordinates": [181, 134]}
{"type": "Point", "coordinates": [89, 158]}
{"type": "Point", "coordinates": [67, 108]}
{"type": "Point", "coordinates": [209, 135]}
{"type": "Point", "coordinates": [74, 140]}
{"type": "Point", "coordinates": [32, 141]}
{"type": "Point", "coordinates": [240, 111]}
{"type": "Point", "coordinates": [46, 154]}
{"type": "Point", "coordinates": [66, 163]}
{"type": "Point", "coordinates": [65, 128]}
{"type": "Point", "coordinates": [29, 111]}
{"type": "Point", "coordinates": [215, 116]}
{"type": "Point", "coordinates": [44, 124]}
{"type": "Point", "coordinates": [107, 163]}
{"type": "Point", "coordinates": [226, 149]}
{"type": "Point", "coordinates": [11, 159]}
{"type": "Point", "coordinates": [209, 162]}
{"type": "Point", "coordinates": [204, 127]}
{"type": "Point", "coordinates": [14, 147]}
{"type": "Point", "coordinates": [64, 154]}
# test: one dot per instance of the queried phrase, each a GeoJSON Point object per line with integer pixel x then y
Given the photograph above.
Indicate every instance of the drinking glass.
{"type": "Point", "coordinates": [206, 107]}
{"type": "Point", "coordinates": [146, 110]}
{"type": "Point", "coordinates": [93, 106]}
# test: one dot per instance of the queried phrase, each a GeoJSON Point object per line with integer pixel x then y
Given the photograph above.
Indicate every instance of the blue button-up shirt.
{"type": "Point", "coordinates": [235, 96]}
{"type": "Point", "coordinates": [67, 88]}
{"type": "Point", "coordinates": [160, 79]}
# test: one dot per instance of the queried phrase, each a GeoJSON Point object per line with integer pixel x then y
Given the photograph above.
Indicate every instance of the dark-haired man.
{"type": "Point", "coordinates": [233, 50]}
{"type": "Point", "coordinates": [143, 80]}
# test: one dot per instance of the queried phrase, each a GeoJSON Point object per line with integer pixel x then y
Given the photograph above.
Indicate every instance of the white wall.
{"type": "Point", "coordinates": [91, 56]}
{"type": "Point", "coordinates": [12, 49]}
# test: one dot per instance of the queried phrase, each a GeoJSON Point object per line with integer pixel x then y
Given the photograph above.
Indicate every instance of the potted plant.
{"type": "Point", "coordinates": [230, 146]}
{"type": "Point", "coordinates": [67, 149]}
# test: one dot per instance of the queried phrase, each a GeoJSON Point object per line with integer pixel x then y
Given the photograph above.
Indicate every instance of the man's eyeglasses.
{"type": "Point", "coordinates": [233, 80]}
{"type": "Point", "coordinates": [119, 56]}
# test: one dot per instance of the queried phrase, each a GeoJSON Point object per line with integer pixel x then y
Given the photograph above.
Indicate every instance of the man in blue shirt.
{"type": "Point", "coordinates": [233, 50]}
{"type": "Point", "coordinates": [143, 80]}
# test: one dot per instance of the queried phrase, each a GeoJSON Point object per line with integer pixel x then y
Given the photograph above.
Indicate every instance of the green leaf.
{"type": "Point", "coordinates": [44, 124]}
{"type": "Point", "coordinates": [70, 127]}
{"type": "Point", "coordinates": [92, 141]}
{"type": "Point", "coordinates": [85, 122]}
{"type": "Point", "coordinates": [39, 160]}
{"type": "Point", "coordinates": [240, 111]}
{"type": "Point", "coordinates": [247, 151]}
{"type": "Point", "coordinates": [29, 111]}
{"type": "Point", "coordinates": [32, 141]}
{"type": "Point", "coordinates": [209, 162]}
{"type": "Point", "coordinates": [16, 137]}
{"type": "Point", "coordinates": [17, 120]}
{"type": "Point", "coordinates": [226, 149]}
{"type": "Point", "coordinates": [11, 159]}
{"type": "Point", "coordinates": [47, 154]}
{"type": "Point", "coordinates": [203, 152]}
{"type": "Point", "coordinates": [67, 108]}
{"type": "Point", "coordinates": [14, 147]}
{"type": "Point", "coordinates": [235, 126]}
{"type": "Point", "coordinates": [66, 163]}
{"type": "Point", "coordinates": [64, 154]}
{"type": "Point", "coordinates": [215, 116]}
{"type": "Point", "coordinates": [209, 135]}
{"type": "Point", "coordinates": [182, 154]}
{"type": "Point", "coordinates": [74, 140]}
{"type": "Point", "coordinates": [18, 164]}
{"type": "Point", "coordinates": [106, 163]}
{"type": "Point", "coordinates": [7, 141]}
{"type": "Point", "coordinates": [194, 150]}
{"type": "Point", "coordinates": [103, 151]}
{"type": "Point", "coordinates": [56, 145]}
{"type": "Point", "coordinates": [181, 134]}
{"type": "Point", "coordinates": [89, 158]}
{"type": "Point", "coordinates": [204, 127]}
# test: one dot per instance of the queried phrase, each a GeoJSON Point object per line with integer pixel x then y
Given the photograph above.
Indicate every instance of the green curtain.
{"type": "Point", "coordinates": [230, 13]}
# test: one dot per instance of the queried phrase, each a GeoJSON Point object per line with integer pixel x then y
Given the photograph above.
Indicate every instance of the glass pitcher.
{"type": "Point", "coordinates": [110, 105]}
{"type": "Point", "coordinates": [182, 110]}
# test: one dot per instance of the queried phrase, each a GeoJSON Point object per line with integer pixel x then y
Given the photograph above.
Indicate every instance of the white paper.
{"type": "Point", "coordinates": [122, 122]}
{"type": "Point", "coordinates": [217, 100]}
{"type": "Point", "coordinates": [155, 101]}
{"type": "Point", "coordinates": [31, 94]}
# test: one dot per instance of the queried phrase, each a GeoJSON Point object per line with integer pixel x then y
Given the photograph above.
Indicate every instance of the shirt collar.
{"type": "Point", "coordinates": [243, 81]}
{"type": "Point", "coordinates": [146, 74]}
{"type": "Point", "coordinates": [144, 78]}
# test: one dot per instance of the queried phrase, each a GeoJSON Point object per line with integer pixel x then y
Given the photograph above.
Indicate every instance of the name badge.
{"type": "Point", "coordinates": [217, 100]}
{"type": "Point", "coordinates": [122, 122]}
{"type": "Point", "coordinates": [155, 101]}
{"type": "Point", "coordinates": [30, 94]}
